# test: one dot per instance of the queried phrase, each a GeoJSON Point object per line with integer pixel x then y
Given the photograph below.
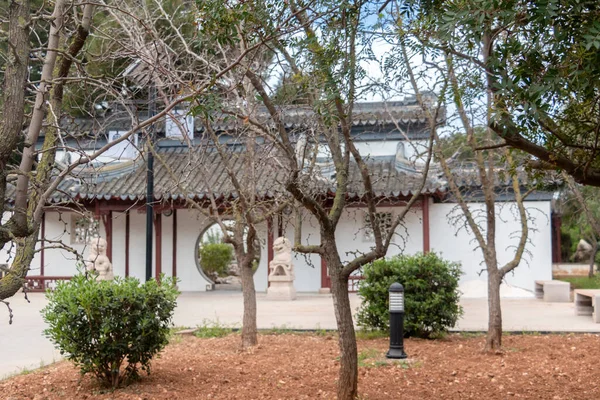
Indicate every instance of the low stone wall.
{"type": "Point", "coordinates": [571, 269]}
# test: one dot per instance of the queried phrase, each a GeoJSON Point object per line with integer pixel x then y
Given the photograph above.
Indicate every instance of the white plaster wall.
{"type": "Point", "coordinates": [167, 245]}
{"type": "Point", "coordinates": [307, 267]}
{"type": "Point", "coordinates": [350, 241]}
{"type": "Point", "coordinates": [408, 238]}
{"type": "Point", "coordinates": [58, 262]}
{"type": "Point", "coordinates": [137, 245]}
{"type": "Point", "coordinates": [377, 148]}
{"type": "Point", "coordinates": [262, 272]}
{"type": "Point", "coordinates": [7, 253]}
{"type": "Point", "coordinates": [61, 262]}
{"type": "Point", "coordinates": [413, 150]}
{"type": "Point", "coordinates": [190, 224]}
{"type": "Point", "coordinates": [459, 245]}
{"type": "Point", "coordinates": [118, 243]}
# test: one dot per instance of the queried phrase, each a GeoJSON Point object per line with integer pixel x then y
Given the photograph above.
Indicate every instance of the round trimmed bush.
{"type": "Point", "coordinates": [215, 258]}
{"type": "Point", "coordinates": [110, 328]}
{"type": "Point", "coordinates": [430, 294]}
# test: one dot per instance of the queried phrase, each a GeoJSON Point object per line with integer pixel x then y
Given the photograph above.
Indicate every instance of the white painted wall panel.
{"type": "Point", "coordinates": [408, 238]}
{"type": "Point", "coordinates": [137, 245]}
{"type": "Point", "coordinates": [118, 243]}
{"type": "Point", "coordinates": [189, 226]}
{"type": "Point", "coordinates": [262, 272]}
{"type": "Point", "coordinates": [167, 245]}
{"type": "Point", "coordinates": [307, 267]}
{"type": "Point", "coordinates": [459, 245]}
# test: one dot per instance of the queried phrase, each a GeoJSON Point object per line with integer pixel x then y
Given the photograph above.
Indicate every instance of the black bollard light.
{"type": "Point", "coordinates": [396, 322]}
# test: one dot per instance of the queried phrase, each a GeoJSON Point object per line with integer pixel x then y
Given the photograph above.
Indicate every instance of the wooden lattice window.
{"type": "Point", "coordinates": [83, 228]}
{"type": "Point", "coordinates": [384, 219]}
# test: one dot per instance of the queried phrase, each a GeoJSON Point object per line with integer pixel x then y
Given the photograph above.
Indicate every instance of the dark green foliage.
{"type": "Point", "coordinates": [111, 328]}
{"type": "Point", "coordinates": [215, 258]}
{"type": "Point", "coordinates": [430, 292]}
{"type": "Point", "coordinates": [575, 224]}
{"type": "Point", "coordinates": [542, 62]}
{"type": "Point", "coordinates": [582, 282]}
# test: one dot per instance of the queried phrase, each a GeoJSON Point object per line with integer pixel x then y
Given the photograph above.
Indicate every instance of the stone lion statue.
{"type": "Point", "coordinates": [281, 265]}
{"type": "Point", "coordinates": [98, 260]}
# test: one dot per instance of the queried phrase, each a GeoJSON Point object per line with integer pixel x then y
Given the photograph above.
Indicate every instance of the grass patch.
{"type": "Point", "coordinates": [279, 330]}
{"type": "Point", "coordinates": [173, 336]}
{"type": "Point", "coordinates": [323, 332]}
{"type": "Point", "coordinates": [582, 282]}
{"type": "Point", "coordinates": [470, 335]}
{"type": "Point", "coordinates": [371, 335]}
{"type": "Point", "coordinates": [212, 329]}
{"type": "Point", "coordinates": [367, 357]}
{"type": "Point", "coordinates": [374, 358]}
{"type": "Point", "coordinates": [24, 371]}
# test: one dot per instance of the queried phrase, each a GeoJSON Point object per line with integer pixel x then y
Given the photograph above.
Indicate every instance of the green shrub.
{"type": "Point", "coordinates": [430, 294]}
{"type": "Point", "coordinates": [215, 258]}
{"type": "Point", "coordinates": [110, 328]}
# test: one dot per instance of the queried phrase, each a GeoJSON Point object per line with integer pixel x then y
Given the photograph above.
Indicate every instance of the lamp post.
{"type": "Point", "coordinates": [396, 322]}
{"type": "Point", "coordinates": [150, 183]}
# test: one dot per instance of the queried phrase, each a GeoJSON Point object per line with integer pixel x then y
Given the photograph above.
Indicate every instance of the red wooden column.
{"type": "Point", "coordinates": [174, 235]}
{"type": "Point", "coordinates": [556, 245]}
{"type": "Point", "coordinates": [426, 243]}
{"type": "Point", "coordinates": [325, 278]}
{"type": "Point", "coordinates": [158, 241]}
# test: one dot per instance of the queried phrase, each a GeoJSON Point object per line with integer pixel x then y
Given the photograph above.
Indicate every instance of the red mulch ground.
{"type": "Point", "coordinates": [305, 367]}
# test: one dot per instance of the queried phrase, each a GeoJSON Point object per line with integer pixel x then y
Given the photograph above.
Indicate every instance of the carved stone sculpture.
{"type": "Point", "coordinates": [98, 261]}
{"type": "Point", "coordinates": [281, 272]}
{"type": "Point", "coordinates": [584, 251]}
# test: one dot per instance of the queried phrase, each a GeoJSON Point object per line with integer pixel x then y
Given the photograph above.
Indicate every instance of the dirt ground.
{"type": "Point", "coordinates": [301, 366]}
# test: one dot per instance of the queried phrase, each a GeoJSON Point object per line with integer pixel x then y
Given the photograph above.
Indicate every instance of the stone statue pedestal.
{"type": "Point", "coordinates": [281, 289]}
{"type": "Point", "coordinates": [281, 272]}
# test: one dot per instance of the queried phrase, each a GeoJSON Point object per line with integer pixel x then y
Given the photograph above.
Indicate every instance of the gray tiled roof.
{"type": "Point", "coordinates": [195, 172]}
{"type": "Point", "coordinates": [406, 112]}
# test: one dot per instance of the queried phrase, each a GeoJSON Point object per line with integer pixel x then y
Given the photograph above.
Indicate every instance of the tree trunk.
{"type": "Point", "coordinates": [348, 376]}
{"type": "Point", "coordinates": [593, 257]}
{"type": "Point", "coordinates": [37, 117]}
{"type": "Point", "coordinates": [494, 335]}
{"type": "Point", "coordinates": [25, 251]}
{"type": "Point", "coordinates": [249, 334]}
{"type": "Point", "coordinates": [13, 101]}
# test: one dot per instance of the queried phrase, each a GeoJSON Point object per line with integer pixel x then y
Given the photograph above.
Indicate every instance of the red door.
{"type": "Point", "coordinates": [325, 278]}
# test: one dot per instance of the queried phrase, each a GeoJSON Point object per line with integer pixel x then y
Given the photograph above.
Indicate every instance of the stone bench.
{"type": "Point", "coordinates": [586, 301]}
{"type": "Point", "coordinates": [553, 291]}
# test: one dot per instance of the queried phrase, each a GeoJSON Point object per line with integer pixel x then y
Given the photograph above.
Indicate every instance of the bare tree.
{"type": "Point", "coordinates": [324, 57]}
{"type": "Point", "coordinates": [84, 72]}
{"type": "Point", "coordinates": [470, 94]}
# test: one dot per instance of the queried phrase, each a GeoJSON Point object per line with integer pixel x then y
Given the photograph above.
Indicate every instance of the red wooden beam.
{"type": "Point", "coordinates": [127, 224]}
{"type": "Point", "coordinates": [174, 235]}
{"type": "Point", "coordinates": [158, 241]}
{"type": "Point", "coordinates": [426, 243]}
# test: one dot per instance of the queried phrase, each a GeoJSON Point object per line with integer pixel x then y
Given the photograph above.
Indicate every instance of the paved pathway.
{"type": "Point", "coordinates": [22, 344]}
